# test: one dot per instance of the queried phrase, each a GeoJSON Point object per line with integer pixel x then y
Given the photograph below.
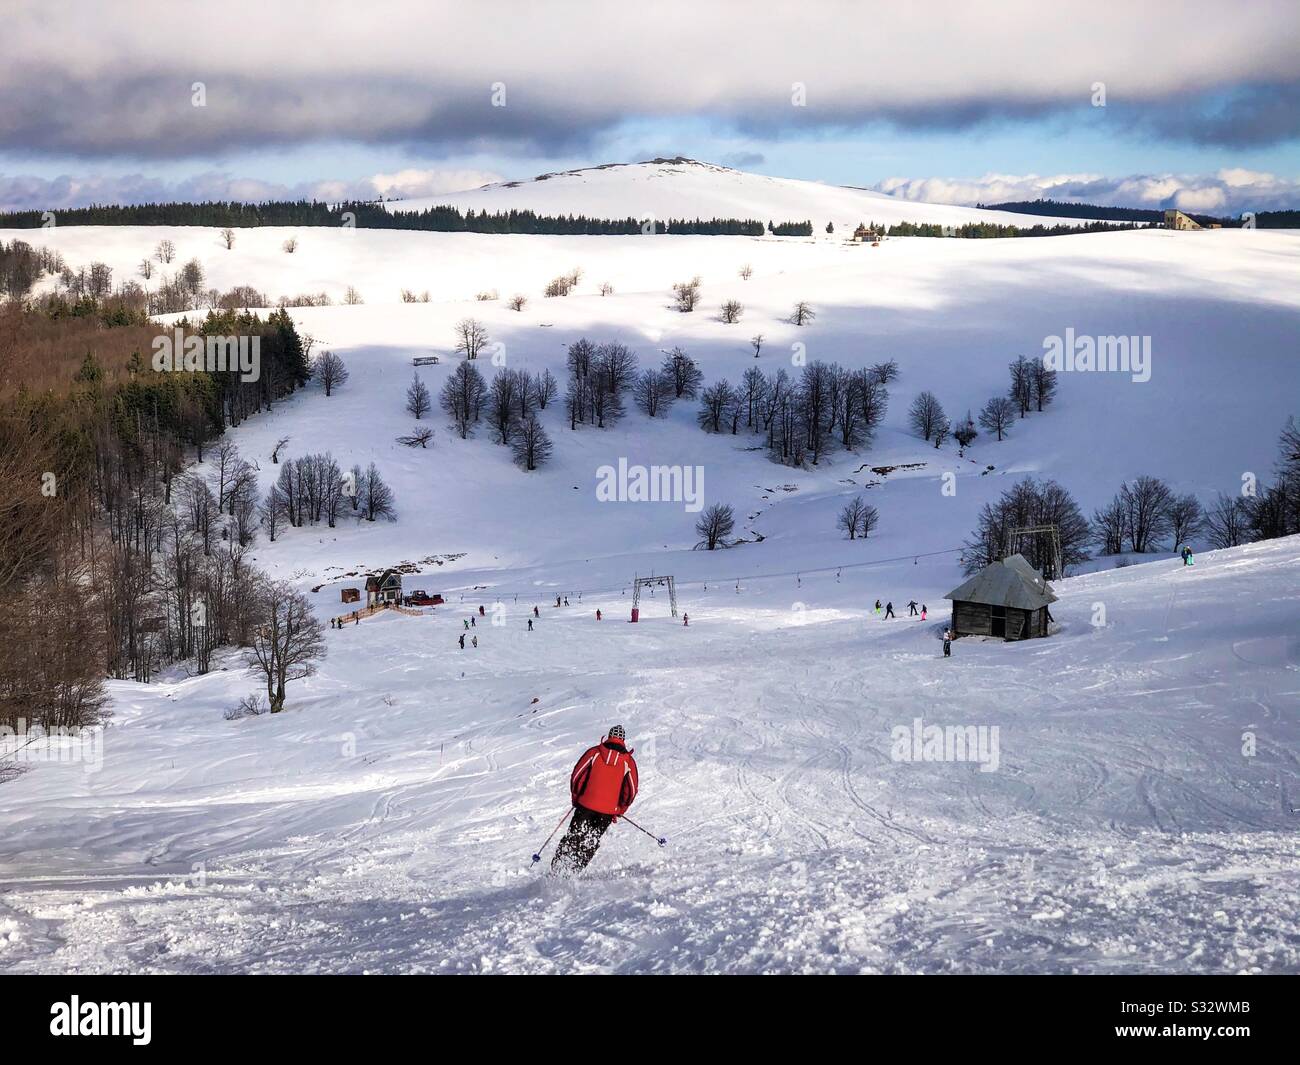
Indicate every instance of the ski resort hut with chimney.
{"type": "Point", "coordinates": [1007, 599]}
{"type": "Point", "coordinates": [386, 588]}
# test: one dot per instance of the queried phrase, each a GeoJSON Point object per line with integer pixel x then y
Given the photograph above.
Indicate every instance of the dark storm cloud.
{"type": "Point", "coordinates": [102, 81]}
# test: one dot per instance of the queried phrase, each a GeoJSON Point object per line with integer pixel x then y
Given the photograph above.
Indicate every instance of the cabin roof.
{"type": "Point", "coordinates": [1011, 582]}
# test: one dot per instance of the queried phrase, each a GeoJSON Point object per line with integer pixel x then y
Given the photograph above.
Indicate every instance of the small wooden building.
{"type": "Point", "coordinates": [1006, 599]}
{"type": "Point", "coordinates": [351, 595]}
{"type": "Point", "coordinates": [863, 235]}
{"type": "Point", "coordinates": [386, 588]}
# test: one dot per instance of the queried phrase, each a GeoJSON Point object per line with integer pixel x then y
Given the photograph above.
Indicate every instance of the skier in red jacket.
{"type": "Point", "coordinates": [602, 786]}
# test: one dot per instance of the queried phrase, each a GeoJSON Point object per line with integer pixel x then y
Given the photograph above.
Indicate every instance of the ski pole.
{"type": "Point", "coordinates": [538, 856]}
{"type": "Point", "coordinates": [658, 839]}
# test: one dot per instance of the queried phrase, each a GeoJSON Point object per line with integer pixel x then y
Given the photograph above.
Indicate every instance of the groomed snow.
{"type": "Point", "coordinates": [385, 821]}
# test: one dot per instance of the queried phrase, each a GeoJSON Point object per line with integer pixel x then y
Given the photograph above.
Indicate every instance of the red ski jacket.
{"type": "Point", "coordinates": [605, 779]}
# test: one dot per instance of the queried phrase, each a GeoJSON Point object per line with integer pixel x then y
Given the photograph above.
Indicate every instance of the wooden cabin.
{"type": "Point", "coordinates": [386, 588]}
{"type": "Point", "coordinates": [863, 235]}
{"type": "Point", "coordinates": [1007, 599]}
{"type": "Point", "coordinates": [351, 595]}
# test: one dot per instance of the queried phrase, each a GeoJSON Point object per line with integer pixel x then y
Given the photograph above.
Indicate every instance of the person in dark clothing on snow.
{"type": "Point", "coordinates": [530, 624]}
{"type": "Point", "coordinates": [889, 611]}
{"type": "Point", "coordinates": [947, 643]}
{"type": "Point", "coordinates": [602, 786]}
{"type": "Point", "coordinates": [462, 641]}
{"type": "Point", "coordinates": [911, 609]}
{"type": "Point", "coordinates": [1187, 556]}
{"type": "Point", "coordinates": [480, 610]}
{"type": "Point", "coordinates": [598, 613]}
{"type": "Point", "coordinates": [535, 613]}
{"type": "Point", "coordinates": [877, 606]}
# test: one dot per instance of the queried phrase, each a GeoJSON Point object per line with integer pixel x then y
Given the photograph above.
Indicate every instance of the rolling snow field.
{"type": "Point", "coordinates": [1138, 807]}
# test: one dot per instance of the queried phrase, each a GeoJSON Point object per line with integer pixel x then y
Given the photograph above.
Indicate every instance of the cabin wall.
{"type": "Point", "coordinates": [972, 619]}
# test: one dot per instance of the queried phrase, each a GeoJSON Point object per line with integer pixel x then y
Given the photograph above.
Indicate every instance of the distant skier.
{"type": "Point", "coordinates": [530, 624]}
{"type": "Point", "coordinates": [566, 600]}
{"type": "Point", "coordinates": [686, 620]}
{"type": "Point", "coordinates": [473, 622]}
{"type": "Point", "coordinates": [466, 621]}
{"type": "Point", "coordinates": [911, 609]}
{"type": "Point", "coordinates": [877, 606]}
{"type": "Point", "coordinates": [1187, 556]}
{"type": "Point", "coordinates": [602, 786]}
{"type": "Point", "coordinates": [475, 638]}
{"type": "Point", "coordinates": [947, 643]}
{"type": "Point", "coordinates": [557, 600]}
{"type": "Point", "coordinates": [597, 613]}
{"type": "Point", "coordinates": [462, 641]}
{"type": "Point", "coordinates": [923, 609]}
{"type": "Point", "coordinates": [889, 611]}
{"type": "Point", "coordinates": [480, 610]}
{"type": "Point", "coordinates": [535, 613]}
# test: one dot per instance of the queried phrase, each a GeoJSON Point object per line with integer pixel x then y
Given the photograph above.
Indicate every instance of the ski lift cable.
{"type": "Point", "coordinates": [798, 574]}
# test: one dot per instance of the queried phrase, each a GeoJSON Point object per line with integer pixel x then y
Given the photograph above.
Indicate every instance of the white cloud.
{"type": "Point", "coordinates": [24, 192]}
{"type": "Point", "coordinates": [1227, 192]}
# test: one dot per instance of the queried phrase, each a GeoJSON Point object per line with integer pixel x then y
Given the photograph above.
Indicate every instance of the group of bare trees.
{"type": "Point", "coordinates": [1146, 512]}
{"type": "Point", "coordinates": [1033, 387]}
{"type": "Point", "coordinates": [313, 488]}
{"type": "Point", "coordinates": [826, 406]}
{"type": "Point", "coordinates": [1029, 502]}
{"type": "Point", "coordinates": [1142, 514]}
{"type": "Point", "coordinates": [515, 400]}
{"type": "Point", "coordinates": [599, 377]}
{"type": "Point", "coordinates": [565, 283]}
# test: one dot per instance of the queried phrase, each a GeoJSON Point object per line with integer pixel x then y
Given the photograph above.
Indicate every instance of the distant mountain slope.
{"type": "Point", "coordinates": [678, 188]}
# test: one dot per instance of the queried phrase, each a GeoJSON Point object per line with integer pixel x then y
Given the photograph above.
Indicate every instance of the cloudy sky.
{"type": "Point", "coordinates": [1192, 104]}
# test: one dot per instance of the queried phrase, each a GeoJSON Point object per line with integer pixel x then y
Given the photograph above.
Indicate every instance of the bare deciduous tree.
{"type": "Point", "coordinates": [997, 415]}
{"type": "Point", "coordinates": [417, 438]}
{"type": "Point", "coordinates": [731, 311]}
{"type": "Point", "coordinates": [287, 640]}
{"type": "Point", "coordinates": [926, 415]}
{"type": "Point", "coordinates": [228, 238]}
{"type": "Point", "coordinates": [471, 337]}
{"type": "Point", "coordinates": [418, 400]}
{"type": "Point", "coordinates": [687, 294]}
{"type": "Point", "coordinates": [802, 313]}
{"type": "Point", "coordinates": [714, 526]}
{"type": "Point", "coordinates": [858, 518]}
{"type": "Point", "coordinates": [331, 370]}
{"type": "Point", "coordinates": [531, 445]}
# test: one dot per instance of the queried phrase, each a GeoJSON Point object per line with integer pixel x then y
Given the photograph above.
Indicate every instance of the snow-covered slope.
{"type": "Point", "coordinates": [385, 823]}
{"type": "Point", "coordinates": [392, 809]}
{"type": "Point", "coordinates": [687, 188]}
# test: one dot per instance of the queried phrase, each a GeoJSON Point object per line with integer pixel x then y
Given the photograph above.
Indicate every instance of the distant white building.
{"type": "Point", "coordinates": [1178, 220]}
